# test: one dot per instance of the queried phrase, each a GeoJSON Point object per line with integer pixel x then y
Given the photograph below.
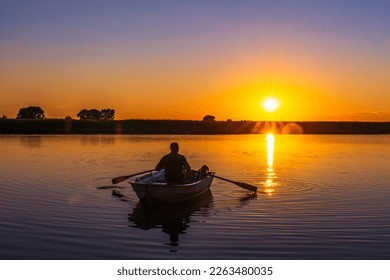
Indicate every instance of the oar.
{"type": "Point", "coordinates": [240, 184]}
{"type": "Point", "coordinates": [122, 178]}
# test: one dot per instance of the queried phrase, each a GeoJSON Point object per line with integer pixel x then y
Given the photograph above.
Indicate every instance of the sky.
{"type": "Point", "coordinates": [177, 59]}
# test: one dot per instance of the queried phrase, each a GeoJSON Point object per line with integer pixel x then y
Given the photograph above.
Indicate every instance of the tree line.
{"type": "Point", "coordinates": [37, 113]}
{"type": "Point", "coordinates": [94, 114]}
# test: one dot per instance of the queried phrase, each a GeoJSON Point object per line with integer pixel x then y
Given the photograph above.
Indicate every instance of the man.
{"type": "Point", "coordinates": [175, 165]}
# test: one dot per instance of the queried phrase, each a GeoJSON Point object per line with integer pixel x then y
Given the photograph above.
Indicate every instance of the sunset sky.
{"type": "Point", "coordinates": [176, 59]}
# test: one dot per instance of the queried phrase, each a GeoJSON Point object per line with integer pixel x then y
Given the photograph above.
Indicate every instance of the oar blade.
{"type": "Point", "coordinates": [247, 186]}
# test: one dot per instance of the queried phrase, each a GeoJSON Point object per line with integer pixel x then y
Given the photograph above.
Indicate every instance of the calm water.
{"type": "Point", "coordinates": [322, 197]}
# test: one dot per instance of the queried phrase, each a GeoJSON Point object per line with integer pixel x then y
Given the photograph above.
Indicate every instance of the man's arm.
{"type": "Point", "coordinates": [160, 164]}
{"type": "Point", "coordinates": [186, 164]}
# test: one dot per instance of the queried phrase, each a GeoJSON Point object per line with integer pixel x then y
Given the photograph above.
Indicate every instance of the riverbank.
{"type": "Point", "coordinates": [59, 126]}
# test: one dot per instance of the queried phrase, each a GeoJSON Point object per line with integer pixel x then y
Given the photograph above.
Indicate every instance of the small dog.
{"type": "Point", "coordinates": [202, 172]}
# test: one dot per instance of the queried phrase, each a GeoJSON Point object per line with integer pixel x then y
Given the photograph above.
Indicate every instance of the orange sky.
{"type": "Point", "coordinates": [183, 61]}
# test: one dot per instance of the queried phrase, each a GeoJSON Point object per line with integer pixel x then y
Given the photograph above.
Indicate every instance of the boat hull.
{"type": "Point", "coordinates": [152, 186]}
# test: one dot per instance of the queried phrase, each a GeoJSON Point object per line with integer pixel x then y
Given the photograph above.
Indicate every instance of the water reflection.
{"type": "Point", "coordinates": [31, 141]}
{"type": "Point", "coordinates": [270, 149]}
{"type": "Point", "coordinates": [269, 183]}
{"type": "Point", "coordinates": [173, 218]}
{"type": "Point", "coordinates": [95, 140]}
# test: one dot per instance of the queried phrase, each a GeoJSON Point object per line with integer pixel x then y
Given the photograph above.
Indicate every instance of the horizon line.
{"type": "Point", "coordinates": [197, 120]}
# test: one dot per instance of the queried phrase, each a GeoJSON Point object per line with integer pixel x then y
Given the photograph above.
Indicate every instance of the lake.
{"type": "Point", "coordinates": [320, 197]}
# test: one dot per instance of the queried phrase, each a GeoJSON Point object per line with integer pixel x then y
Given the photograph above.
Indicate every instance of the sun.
{"type": "Point", "coordinates": [270, 104]}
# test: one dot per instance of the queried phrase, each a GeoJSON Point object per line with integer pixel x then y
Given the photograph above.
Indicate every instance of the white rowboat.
{"type": "Point", "coordinates": [154, 186]}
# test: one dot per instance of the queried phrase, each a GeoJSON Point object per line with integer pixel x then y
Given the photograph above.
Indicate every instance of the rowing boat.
{"type": "Point", "coordinates": [154, 186]}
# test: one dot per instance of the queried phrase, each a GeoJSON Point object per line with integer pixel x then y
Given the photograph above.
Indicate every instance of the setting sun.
{"type": "Point", "coordinates": [270, 104]}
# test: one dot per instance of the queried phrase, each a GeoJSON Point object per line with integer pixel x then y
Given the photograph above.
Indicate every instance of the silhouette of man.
{"type": "Point", "coordinates": [175, 165]}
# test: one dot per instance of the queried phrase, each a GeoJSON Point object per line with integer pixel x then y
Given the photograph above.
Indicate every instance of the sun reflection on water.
{"type": "Point", "coordinates": [270, 149]}
{"type": "Point", "coordinates": [269, 183]}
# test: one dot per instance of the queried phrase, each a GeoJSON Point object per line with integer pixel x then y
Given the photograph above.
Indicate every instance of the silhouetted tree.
{"type": "Point", "coordinates": [209, 118]}
{"type": "Point", "coordinates": [107, 114]}
{"type": "Point", "coordinates": [4, 117]}
{"type": "Point", "coordinates": [95, 114]}
{"type": "Point", "coordinates": [31, 112]}
{"type": "Point", "coordinates": [83, 114]}
{"type": "Point", "coordinates": [92, 114]}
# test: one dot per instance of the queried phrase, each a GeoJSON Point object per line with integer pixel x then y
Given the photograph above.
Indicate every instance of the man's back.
{"type": "Point", "coordinates": [173, 164]}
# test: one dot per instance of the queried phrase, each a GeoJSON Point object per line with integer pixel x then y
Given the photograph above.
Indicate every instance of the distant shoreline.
{"type": "Point", "coordinates": [59, 126]}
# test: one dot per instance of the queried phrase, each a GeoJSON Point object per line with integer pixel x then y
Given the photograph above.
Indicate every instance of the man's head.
{"type": "Point", "coordinates": [174, 147]}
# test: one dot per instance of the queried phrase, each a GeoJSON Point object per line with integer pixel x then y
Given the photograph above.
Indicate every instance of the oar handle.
{"type": "Point", "coordinates": [122, 178]}
{"type": "Point", "coordinates": [139, 173]}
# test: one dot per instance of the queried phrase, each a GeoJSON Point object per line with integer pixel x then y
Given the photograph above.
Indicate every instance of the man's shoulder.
{"type": "Point", "coordinates": [167, 156]}
{"type": "Point", "coordinates": [183, 158]}
{"type": "Point", "coordinates": [173, 156]}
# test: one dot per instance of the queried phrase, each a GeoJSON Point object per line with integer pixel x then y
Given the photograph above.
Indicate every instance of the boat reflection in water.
{"type": "Point", "coordinates": [173, 218]}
